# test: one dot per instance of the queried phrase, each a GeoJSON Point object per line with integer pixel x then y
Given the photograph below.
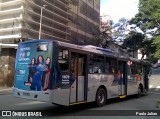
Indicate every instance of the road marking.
{"type": "Point", "coordinates": [150, 86]}
{"type": "Point", "coordinates": [157, 88]}
{"type": "Point", "coordinates": [154, 93]}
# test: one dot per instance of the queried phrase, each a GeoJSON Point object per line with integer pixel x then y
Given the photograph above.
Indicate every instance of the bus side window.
{"type": "Point", "coordinates": [113, 66]}
{"type": "Point", "coordinates": [96, 64]}
{"type": "Point", "coordinates": [107, 66]}
{"type": "Point", "coordinates": [63, 60]}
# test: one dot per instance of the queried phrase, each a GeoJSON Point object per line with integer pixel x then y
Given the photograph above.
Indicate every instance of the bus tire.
{"type": "Point", "coordinates": [139, 94]}
{"type": "Point", "coordinates": [101, 97]}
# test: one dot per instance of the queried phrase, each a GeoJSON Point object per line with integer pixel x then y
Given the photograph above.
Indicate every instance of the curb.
{"type": "Point", "coordinates": [5, 91]}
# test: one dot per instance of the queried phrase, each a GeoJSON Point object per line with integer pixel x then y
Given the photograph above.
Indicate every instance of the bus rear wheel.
{"type": "Point", "coordinates": [101, 97]}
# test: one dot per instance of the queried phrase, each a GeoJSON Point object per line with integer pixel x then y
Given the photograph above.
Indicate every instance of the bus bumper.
{"type": "Point", "coordinates": [33, 95]}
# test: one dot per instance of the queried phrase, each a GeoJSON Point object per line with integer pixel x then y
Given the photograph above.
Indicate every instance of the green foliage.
{"type": "Point", "coordinates": [133, 40]}
{"type": "Point", "coordinates": [148, 16]}
{"type": "Point", "coordinates": [137, 41]}
{"type": "Point", "coordinates": [101, 38]}
{"type": "Point", "coordinates": [156, 44]}
{"type": "Point", "coordinates": [148, 20]}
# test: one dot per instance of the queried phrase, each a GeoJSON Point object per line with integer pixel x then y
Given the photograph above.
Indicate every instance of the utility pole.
{"type": "Point", "coordinates": [40, 24]}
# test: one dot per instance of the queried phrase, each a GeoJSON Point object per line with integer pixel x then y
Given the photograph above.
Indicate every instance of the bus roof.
{"type": "Point", "coordinates": [36, 40]}
{"type": "Point", "coordinates": [91, 49]}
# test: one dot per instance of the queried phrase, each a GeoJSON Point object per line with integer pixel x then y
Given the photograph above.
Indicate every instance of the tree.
{"type": "Point", "coordinates": [148, 20]}
{"type": "Point", "coordinates": [102, 34]}
{"type": "Point", "coordinates": [132, 41]}
{"type": "Point", "coordinates": [120, 29]}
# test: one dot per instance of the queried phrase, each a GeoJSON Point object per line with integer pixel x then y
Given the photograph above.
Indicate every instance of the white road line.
{"type": "Point", "coordinates": [157, 88]}
{"type": "Point", "coordinates": [150, 86]}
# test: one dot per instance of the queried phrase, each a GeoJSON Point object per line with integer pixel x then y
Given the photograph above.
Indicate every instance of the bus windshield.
{"type": "Point", "coordinates": [33, 65]}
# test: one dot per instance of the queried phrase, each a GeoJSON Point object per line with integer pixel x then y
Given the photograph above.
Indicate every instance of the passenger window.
{"type": "Point", "coordinates": [107, 66]}
{"type": "Point", "coordinates": [113, 66]}
{"type": "Point", "coordinates": [80, 66]}
{"type": "Point", "coordinates": [96, 64]}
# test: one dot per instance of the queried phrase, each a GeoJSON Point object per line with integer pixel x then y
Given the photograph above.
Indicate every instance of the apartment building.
{"type": "Point", "coordinates": [64, 20]}
{"type": "Point", "coordinates": [70, 21]}
{"type": "Point", "coordinates": [84, 16]}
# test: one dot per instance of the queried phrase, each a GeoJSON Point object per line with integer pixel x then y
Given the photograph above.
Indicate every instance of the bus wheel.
{"type": "Point", "coordinates": [101, 97]}
{"type": "Point", "coordinates": [139, 94]}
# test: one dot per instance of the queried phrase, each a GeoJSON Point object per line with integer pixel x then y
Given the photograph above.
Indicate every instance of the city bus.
{"type": "Point", "coordinates": [67, 74]}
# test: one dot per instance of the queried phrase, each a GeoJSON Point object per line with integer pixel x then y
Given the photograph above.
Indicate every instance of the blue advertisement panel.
{"type": "Point", "coordinates": [33, 66]}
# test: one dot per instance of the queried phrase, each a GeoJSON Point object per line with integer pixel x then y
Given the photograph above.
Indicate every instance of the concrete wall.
{"type": "Point", "coordinates": [7, 61]}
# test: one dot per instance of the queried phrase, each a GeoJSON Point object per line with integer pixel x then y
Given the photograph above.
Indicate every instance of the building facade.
{"type": "Point", "coordinates": [84, 16]}
{"type": "Point", "coordinates": [64, 20]}
{"type": "Point", "coordinates": [106, 24]}
{"type": "Point", "coordinates": [70, 21]}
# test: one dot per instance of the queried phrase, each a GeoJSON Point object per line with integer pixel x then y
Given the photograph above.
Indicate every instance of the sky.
{"type": "Point", "coordinates": [119, 8]}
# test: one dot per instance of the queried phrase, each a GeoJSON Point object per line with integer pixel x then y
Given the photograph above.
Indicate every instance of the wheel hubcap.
{"type": "Point", "coordinates": [101, 97]}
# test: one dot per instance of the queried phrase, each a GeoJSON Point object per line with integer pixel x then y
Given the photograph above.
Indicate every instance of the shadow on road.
{"type": "Point", "coordinates": [78, 110]}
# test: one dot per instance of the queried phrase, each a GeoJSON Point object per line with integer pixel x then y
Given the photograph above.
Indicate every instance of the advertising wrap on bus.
{"type": "Point", "coordinates": [33, 66]}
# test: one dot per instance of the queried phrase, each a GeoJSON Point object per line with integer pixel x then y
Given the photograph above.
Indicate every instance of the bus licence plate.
{"type": "Point", "coordinates": [26, 94]}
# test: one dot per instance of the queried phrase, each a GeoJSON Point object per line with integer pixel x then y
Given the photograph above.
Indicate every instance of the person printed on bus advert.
{"type": "Point", "coordinates": [46, 76]}
{"type": "Point", "coordinates": [36, 83]}
{"type": "Point", "coordinates": [32, 70]}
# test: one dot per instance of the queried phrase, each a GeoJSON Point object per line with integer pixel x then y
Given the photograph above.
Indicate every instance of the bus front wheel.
{"type": "Point", "coordinates": [101, 97]}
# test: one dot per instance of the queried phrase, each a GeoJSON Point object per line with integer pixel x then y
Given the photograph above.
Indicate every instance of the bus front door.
{"type": "Point", "coordinates": [122, 78]}
{"type": "Point", "coordinates": [77, 68]}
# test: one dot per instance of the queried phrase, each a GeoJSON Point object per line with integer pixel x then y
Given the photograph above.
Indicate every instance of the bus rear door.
{"type": "Point", "coordinates": [78, 85]}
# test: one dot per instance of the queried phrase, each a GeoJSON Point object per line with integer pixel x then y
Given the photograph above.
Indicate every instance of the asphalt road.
{"type": "Point", "coordinates": [154, 82]}
{"type": "Point", "coordinates": [113, 107]}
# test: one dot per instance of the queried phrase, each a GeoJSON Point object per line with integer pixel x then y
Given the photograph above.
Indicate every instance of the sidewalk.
{"type": "Point", "coordinates": [5, 90]}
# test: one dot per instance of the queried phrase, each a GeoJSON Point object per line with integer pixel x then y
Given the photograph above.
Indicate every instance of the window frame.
{"type": "Point", "coordinates": [63, 59]}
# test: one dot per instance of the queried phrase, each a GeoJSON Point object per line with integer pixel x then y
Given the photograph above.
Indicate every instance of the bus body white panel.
{"type": "Point", "coordinates": [132, 86]}
{"type": "Point", "coordinates": [112, 91]}
{"type": "Point", "coordinates": [34, 95]}
{"type": "Point", "coordinates": [60, 96]}
{"type": "Point", "coordinates": [93, 84]}
{"type": "Point", "coordinates": [96, 80]}
{"type": "Point", "coordinates": [73, 92]}
{"type": "Point", "coordinates": [121, 89]}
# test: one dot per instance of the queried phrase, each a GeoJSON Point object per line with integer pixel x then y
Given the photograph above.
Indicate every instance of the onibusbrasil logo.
{"type": "Point", "coordinates": [20, 113]}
